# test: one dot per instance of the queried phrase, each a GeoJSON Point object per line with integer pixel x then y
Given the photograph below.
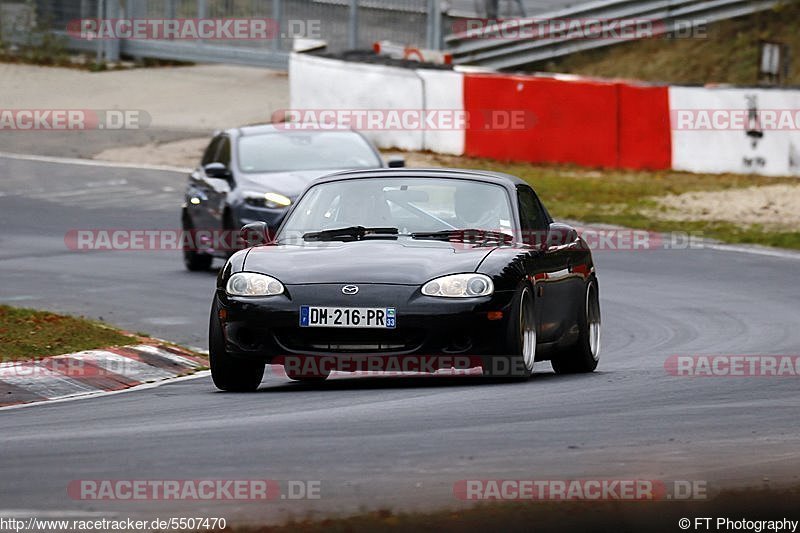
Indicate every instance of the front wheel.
{"type": "Point", "coordinates": [196, 261]}
{"type": "Point", "coordinates": [585, 354]}
{"type": "Point", "coordinates": [229, 373]}
{"type": "Point", "coordinates": [193, 260]}
{"type": "Point", "coordinates": [520, 346]}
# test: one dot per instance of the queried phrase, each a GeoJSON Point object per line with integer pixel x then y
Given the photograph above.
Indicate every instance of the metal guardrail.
{"type": "Point", "coordinates": [342, 24]}
{"type": "Point", "coordinates": [349, 24]}
{"type": "Point", "coordinates": [505, 53]}
{"type": "Point", "coordinates": [190, 51]}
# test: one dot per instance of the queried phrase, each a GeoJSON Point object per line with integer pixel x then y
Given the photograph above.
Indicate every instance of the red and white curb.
{"type": "Point", "coordinates": [92, 372]}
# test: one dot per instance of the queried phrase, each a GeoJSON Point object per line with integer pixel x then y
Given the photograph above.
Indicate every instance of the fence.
{"type": "Point", "coordinates": [343, 24]}
{"type": "Point", "coordinates": [357, 24]}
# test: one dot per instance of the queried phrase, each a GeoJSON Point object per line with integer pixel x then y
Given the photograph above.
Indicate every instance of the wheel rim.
{"type": "Point", "coordinates": [593, 320]}
{"type": "Point", "coordinates": [527, 328]}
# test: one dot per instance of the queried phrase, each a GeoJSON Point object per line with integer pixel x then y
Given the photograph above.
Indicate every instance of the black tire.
{"type": "Point", "coordinates": [193, 260]}
{"type": "Point", "coordinates": [229, 373]}
{"type": "Point", "coordinates": [196, 261]}
{"type": "Point", "coordinates": [520, 339]}
{"type": "Point", "coordinates": [584, 355]}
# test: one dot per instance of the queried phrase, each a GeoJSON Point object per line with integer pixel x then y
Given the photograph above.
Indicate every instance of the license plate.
{"type": "Point", "coordinates": [347, 317]}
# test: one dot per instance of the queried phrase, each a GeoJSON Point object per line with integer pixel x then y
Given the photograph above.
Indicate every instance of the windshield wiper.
{"type": "Point", "coordinates": [478, 236]}
{"type": "Point", "coordinates": [352, 233]}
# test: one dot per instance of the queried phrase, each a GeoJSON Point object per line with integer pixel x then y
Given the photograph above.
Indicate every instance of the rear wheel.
{"type": "Point", "coordinates": [520, 347]}
{"type": "Point", "coordinates": [585, 354]}
{"type": "Point", "coordinates": [229, 373]}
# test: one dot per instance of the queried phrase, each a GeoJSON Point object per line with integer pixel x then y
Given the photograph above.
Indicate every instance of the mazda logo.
{"type": "Point", "coordinates": [350, 289]}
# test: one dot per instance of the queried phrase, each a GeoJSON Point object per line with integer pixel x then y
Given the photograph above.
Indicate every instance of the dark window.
{"type": "Point", "coordinates": [532, 217]}
{"type": "Point", "coordinates": [224, 154]}
{"type": "Point", "coordinates": [210, 155]}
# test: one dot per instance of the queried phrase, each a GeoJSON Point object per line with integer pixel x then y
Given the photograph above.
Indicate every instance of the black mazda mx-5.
{"type": "Point", "coordinates": [402, 263]}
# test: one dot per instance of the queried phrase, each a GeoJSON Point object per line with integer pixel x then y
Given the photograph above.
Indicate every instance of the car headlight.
{"type": "Point", "coordinates": [270, 200]}
{"type": "Point", "coordinates": [459, 286]}
{"type": "Point", "coordinates": [252, 284]}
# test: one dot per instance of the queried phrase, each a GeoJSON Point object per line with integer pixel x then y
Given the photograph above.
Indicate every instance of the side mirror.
{"type": "Point", "coordinates": [560, 234]}
{"type": "Point", "coordinates": [217, 170]}
{"type": "Point", "coordinates": [396, 162]}
{"type": "Point", "coordinates": [255, 234]}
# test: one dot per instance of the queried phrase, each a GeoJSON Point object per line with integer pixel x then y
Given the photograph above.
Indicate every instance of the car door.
{"type": "Point", "coordinates": [198, 190]}
{"type": "Point", "coordinates": [548, 266]}
{"type": "Point", "coordinates": [217, 188]}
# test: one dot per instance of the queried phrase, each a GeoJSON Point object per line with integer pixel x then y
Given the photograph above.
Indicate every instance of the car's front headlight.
{"type": "Point", "coordinates": [271, 200]}
{"type": "Point", "coordinates": [459, 286]}
{"type": "Point", "coordinates": [252, 284]}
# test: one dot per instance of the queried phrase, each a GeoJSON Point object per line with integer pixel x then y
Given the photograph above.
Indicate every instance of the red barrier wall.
{"type": "Point", "coordinates": [590, 123]}
{"type": "Point", "coordinates": [645, 140]}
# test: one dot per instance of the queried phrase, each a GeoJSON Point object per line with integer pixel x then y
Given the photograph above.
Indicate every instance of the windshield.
{"type": "Point", "coordinates": [286, 151]}
{"type": "Point", "coordinates": [409, 205]}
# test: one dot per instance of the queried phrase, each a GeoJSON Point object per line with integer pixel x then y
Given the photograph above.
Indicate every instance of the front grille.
{"type": "Point", "coordinates": [333, 340]}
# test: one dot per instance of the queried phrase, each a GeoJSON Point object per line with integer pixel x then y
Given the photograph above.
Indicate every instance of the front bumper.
{"type": "Point", "coordinates": [268, 328]}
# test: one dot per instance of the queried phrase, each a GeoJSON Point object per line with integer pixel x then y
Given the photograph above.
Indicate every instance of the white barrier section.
{"type": "Point", "coordinates": [444, 91]}
{"type": "Point", "coordinates": [317, 83]}
{"type": "Point", "coordinates": [735, 130]}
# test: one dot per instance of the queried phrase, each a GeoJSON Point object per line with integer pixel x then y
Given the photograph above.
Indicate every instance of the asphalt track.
{"type": "Point", "coordinates": [396, 443]}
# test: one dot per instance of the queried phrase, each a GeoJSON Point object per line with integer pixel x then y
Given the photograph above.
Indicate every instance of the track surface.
{"type": "Point", "coordinates": [375, 442]}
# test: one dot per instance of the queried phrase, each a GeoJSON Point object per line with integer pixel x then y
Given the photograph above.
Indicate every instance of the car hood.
{"type": "Point", "coordinates": [290, 183]}
{"type": "Point", "coordinates": [373, 261]}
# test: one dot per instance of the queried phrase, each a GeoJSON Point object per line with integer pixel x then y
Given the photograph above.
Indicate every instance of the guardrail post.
{"type": "Point", "coordinates": [202, 12]}
{"type": "Point", "coordinates": [112, 46]}
{"type": "Point", "coordinates": [352, 27]}
{"type": "Point", "coordinates": [433, 35]}
{"type": "Point", "coordinates": [100, 43]}
{"type": "Point", "coordinates": [277, 18]}
{"type": "Point", "coordinates": [169, 9]}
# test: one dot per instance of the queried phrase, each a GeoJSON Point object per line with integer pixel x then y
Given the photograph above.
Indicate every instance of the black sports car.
{"type": "Point", "coordinates": [254, 173]}
{"type": "Point", "coordinates": [400, 263]}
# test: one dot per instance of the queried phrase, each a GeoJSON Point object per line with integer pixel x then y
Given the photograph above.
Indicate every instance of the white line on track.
{"type": "Point", "coordinates": [91, 162]}
{"type": "Point", "coordinates": [755, 250]}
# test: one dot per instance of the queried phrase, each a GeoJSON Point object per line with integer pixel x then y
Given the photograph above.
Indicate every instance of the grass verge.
{"type": "Point", "coordinates": [628, 198]}
{"type": "Point", "coordinates": [30, 334]}
{"type": "Point", "coordinates": [728, 53]}
{"type": "Point", "coordinates": [618, 516]}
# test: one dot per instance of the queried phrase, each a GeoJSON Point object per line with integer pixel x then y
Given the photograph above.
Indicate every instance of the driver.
{"type": "Point", "coordinates": [365, 206]}
{"type": "Point", "coordinates": [477, 210]}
